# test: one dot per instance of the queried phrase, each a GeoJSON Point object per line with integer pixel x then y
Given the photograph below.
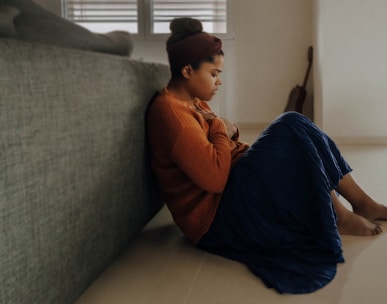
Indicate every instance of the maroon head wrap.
{"type": "Point", "coordinates": [193, 49]}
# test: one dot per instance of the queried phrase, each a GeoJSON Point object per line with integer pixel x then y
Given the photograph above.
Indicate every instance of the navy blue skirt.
{"type": "Point", "coordinates": [276, 213]}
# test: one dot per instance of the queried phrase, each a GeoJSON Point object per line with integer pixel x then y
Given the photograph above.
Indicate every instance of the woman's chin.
{"type": "Point", "coordinates": [212, 96]}
{"type": "Point", "coordinates": [207, 97]}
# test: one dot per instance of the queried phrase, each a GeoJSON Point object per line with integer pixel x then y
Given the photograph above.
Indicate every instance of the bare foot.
{"type": "Point", "coordinates": [353, 224]}
{"type": "Point", "coordinates": [356, 223]}
{"type": "Point", "coordinates": [371, 210]}
{"type": "Point", "coordinates": [362, 203]}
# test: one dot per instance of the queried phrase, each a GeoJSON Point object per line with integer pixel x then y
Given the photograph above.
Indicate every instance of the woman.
{"type": "Point", "coordinates": [272, 206]}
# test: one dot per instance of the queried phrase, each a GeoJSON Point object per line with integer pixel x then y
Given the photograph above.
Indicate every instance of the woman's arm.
{"type": "Point", "coordinates": [205, 160]}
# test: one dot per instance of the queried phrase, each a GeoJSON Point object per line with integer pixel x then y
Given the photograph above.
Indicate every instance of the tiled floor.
{"type": "Point", "coordinates": [161, 267]}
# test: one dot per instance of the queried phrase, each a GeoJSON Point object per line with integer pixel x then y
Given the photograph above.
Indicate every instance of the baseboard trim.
{"type": "Point", "coordinates": [343, 140]}
{"type": "Point", "coordinates": [360, 140]}
{"type": "Point", "coordinates": [252, 126]}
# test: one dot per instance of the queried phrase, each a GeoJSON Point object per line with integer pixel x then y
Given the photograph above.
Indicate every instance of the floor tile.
{"type": "Point", "coordinates": [160, 266]}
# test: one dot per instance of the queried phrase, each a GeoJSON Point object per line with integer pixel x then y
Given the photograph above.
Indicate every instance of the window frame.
{"type": "Point", "coordinates": [144, 25]}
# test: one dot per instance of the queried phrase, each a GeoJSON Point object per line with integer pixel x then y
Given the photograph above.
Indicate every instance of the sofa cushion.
{"type": "Point", "coordinates": [75, 180]}
{"type": "Point", "coordinates": [35, 24]}
{"type": "Point", "coordinates": [7, 14]}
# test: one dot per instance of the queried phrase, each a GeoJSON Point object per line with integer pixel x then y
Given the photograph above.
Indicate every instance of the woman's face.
{"type": "Point", "coordinates": [203, 82]}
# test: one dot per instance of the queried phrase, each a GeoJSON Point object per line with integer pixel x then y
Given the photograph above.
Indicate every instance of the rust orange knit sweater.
{"type": "Point", "coordinates": [191, 159]}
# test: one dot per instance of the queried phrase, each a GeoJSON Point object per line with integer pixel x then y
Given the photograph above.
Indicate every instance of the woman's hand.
{"type": "Point", "coordinates": [207, 115]}
{"type": "Point", "coordinates": [231, 128]}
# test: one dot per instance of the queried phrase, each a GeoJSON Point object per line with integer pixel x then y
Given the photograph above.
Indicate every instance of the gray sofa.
{"type": "Point", "coordinates": [75, 185]}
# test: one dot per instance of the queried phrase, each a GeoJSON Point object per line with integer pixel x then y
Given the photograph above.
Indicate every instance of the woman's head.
{"type": "Point", "coordinates": [195, 55]}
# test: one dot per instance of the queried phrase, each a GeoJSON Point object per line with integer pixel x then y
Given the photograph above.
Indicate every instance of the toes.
{"type": "Point", "coordinates": [378, 228]}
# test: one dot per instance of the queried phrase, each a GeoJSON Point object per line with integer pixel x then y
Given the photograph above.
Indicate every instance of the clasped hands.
{"type": "Point", "coordinates": [231, 128]}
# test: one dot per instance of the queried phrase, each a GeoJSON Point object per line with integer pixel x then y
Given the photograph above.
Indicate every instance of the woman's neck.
{"type": "Point", "coordinates": [179, 90]}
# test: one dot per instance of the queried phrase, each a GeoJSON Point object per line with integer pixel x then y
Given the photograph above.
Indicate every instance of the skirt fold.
{"type": "Point", "coordinates": [276, 214]}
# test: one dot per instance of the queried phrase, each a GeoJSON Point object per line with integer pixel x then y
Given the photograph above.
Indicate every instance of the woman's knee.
{"type": "Point", "coordinates": [293, 115]}
{"type": "Point", "coordinates": [293, 118]}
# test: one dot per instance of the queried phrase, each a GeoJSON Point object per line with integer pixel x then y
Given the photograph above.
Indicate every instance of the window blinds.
{"type": "Point", "coordinates": [124, 14]}
{"type": "Point", "coordinates": [213, 14]}
{"type": "Point", "coordinates": [101, 10]}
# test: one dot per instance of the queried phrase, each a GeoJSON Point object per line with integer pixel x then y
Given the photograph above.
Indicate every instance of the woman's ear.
{"type": "Point", "coordinates": [186, 71]}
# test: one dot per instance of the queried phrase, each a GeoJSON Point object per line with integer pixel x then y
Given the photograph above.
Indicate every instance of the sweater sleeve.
{"type": "Point", "coordinates": [205, 160]}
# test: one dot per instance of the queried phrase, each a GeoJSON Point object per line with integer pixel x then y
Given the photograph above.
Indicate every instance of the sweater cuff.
{"type": "Point", "coordinates": [217, 126]}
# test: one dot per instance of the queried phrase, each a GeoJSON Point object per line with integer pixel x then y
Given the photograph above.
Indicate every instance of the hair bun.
{"type": "Point", "coordinates": [183, 27]}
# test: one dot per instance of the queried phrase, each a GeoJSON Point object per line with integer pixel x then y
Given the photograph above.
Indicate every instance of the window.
{"type": "Point", "coordinates": [213, 14]}
{"type": "Point", "coordinates": [146, 17]}
{"type": "Point", "coordinates": [103, 16]}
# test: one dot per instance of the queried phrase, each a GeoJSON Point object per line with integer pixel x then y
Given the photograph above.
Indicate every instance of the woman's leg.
{"type": "Point", "coordinates": [361, 202]}
{"type": "Point", "coordinates": [366, 210]}
{"type": "Point", "coordinates": [351, 223]}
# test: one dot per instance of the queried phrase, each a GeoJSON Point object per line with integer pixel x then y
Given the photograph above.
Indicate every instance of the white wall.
{"type": "Point", "coordinates": [351, 77]}
{"type": "Point", "coordinates": [269, 56]}
{"type": "Point", "coordinates": [266, 58]}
